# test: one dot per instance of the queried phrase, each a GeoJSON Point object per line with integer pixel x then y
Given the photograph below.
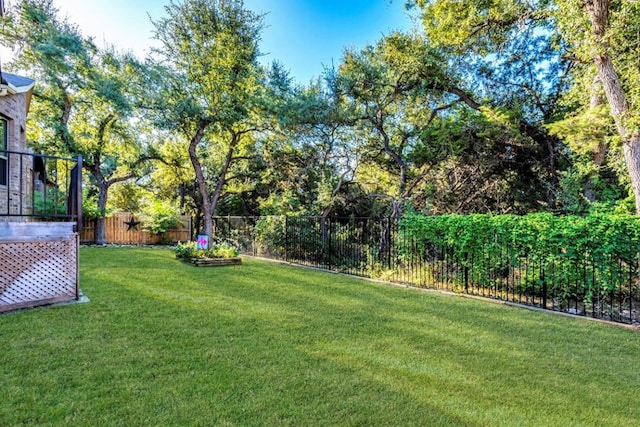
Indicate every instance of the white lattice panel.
{"type": "Point", "coordinates": [37, 272]}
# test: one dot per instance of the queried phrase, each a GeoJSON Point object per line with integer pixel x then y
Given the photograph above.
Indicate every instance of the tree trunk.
{"type": "Point", "coordinates": [631, 149]}
{"type": "Point", "coordinates": [600, 154]}
{"type": "Point", "coordinates": [222, 176]}
{"type": "Point", "coordinates": [100, 233]}
{"type": "Point", "coordinates": [598, 11]}
{"type": "Point", "coordinates": [620, 111]}
{"type": "Point", "coordinates": [202, 185]}
{"type": "Point", "coordinates": [399, 161]}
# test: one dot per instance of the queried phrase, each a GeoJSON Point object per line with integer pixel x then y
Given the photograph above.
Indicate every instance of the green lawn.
{"type": "Point", "coordinates": [263, 344]}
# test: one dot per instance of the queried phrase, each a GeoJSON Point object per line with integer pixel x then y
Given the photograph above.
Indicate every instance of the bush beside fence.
{"type": "Point", "coordinates": [578, 265]}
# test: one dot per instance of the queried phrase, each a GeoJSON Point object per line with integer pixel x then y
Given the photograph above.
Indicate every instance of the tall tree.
{"type": "Point", "coordinates": [211, 95]}
{"type": "Point", "coordinates": [506, 47]}
{"type": "Point", "coordinates": [54, 52]}
{"type": "Point", "coordinates": [83, 98]}
{"type": "Point", "coordinates": [583, 33]}
{"type": "Point", "coordinates": [394, 91]}
{"type": "Point", "coordinates": [601, 32]}
{"type": "Point", "coordinates": [115, 148]}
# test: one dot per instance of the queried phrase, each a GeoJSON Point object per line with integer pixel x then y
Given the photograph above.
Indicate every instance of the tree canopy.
{"type": "Point", "coordinates": [486, 106]}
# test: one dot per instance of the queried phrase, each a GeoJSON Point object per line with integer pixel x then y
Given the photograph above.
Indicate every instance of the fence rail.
{"type": "Point", "coordinates": [596, 286]}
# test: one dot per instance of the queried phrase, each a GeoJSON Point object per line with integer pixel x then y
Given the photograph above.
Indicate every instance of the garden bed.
{"type": "Point", "coordinates": [219, 254]}
{"type": "Point", "coordinates": [213, 262]}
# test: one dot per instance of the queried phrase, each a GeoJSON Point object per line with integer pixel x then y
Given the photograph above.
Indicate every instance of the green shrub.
{"type": "Point", "coordinates": [51, 203]}
{"type": "Point", "coordinates": [189, 250]}
{"type": "Point", "coordinates": [90, 210]}
{"type": "Point", "coordinates": [224, 249]}
{"type": "Point", "coordinates": [270, 234]}
{"type": "Point", "coordinates": [161, 217]}
{"type": "Point", "coordinates": [581, 258]}
{"type": "Point", "coordinates": [543, 237]}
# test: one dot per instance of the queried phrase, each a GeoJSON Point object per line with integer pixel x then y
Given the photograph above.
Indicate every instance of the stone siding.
{"type": "Point", "coordinates": [14, 199]}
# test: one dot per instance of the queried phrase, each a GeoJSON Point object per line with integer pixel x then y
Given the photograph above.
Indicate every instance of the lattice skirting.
{"type": "Point", "coordinates": [37, 272]}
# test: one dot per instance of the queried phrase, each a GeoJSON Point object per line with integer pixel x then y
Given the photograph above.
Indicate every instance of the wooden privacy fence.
{"type": "Point", "coordinates": [125, 228]}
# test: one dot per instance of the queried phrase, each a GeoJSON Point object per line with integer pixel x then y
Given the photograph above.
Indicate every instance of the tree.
{"type": "Point", "coordinates": [507, 47]}
{"type": "Point", "coordinates": [115, 148]}
{"type": "Point", "coordinates": [54, 53]}
{"type": "Point", "coordinates": [600, 35]}
{"type": "Point", "coordinates": [478, 162]}
{"type": "Point", "coordinates": [210, 49]}
{"type": "Point", "coordinates": [84, 98]}
{"type": "Point", "coordinates": [395, 90]}
{"type": "Point", "coordinates": [508, 50]}
{"type": "Point", "coordinates": [319, 130]}
{"type": "Point", "coordinates": [585, 33]}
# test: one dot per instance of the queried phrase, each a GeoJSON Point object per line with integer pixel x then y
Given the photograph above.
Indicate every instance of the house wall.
{"type": "Point", "coordinates": [13, 199]}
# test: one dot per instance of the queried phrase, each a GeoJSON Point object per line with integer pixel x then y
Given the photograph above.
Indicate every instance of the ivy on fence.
{"type": "Point", "coordinates": [539, 237]}
{"type": "Point", "coordinates": [581, 265]}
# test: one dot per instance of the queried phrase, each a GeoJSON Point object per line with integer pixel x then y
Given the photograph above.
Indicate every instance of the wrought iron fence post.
{"type": "Point", "coordinates": [388, 237]}
{"type": "Point", "coordinates": [79, 194]}
{"type": "Point", "coordinates": [329, 247]}
{"type": "Point", "coordinates": [465, 270]}
{"type": "Point", "coordinates": [286, 240]}
{"type": "Point", "coordinates": [544, 288]}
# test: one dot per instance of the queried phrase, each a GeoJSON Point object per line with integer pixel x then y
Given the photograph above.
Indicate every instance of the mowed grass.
{"type": "Point", "coordinates": [264, 344]}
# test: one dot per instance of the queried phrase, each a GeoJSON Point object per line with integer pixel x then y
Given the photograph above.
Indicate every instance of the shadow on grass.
{"type": "Point", "coordinates": [165, 343]}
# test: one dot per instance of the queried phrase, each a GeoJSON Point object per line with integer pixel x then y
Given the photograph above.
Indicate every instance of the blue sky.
{"type": "Point", "coordinates": [304, 35]}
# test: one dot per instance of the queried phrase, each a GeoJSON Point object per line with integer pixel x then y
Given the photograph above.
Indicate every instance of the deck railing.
{"type": "Point", "coordinates": [39, 186]}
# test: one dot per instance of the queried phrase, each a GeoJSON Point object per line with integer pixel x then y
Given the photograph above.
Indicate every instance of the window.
{"type": "Point", "coordinates": [3, 152]}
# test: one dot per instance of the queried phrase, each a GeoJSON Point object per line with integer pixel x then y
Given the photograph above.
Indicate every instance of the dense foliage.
{"type": "Point", "coordinates": [585, 262]}
{"type": "Point", "coordinates": [190, 250]}
{"type": "Point", "coordinates": [542, 237]}
{"type": "Point", "coordinates": [502, 107]}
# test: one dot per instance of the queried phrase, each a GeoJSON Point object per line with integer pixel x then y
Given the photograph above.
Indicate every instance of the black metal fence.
{"type": "Point", "coordinates": [600, 287]}
{"type": "Point", "coordinates": [40, 186]}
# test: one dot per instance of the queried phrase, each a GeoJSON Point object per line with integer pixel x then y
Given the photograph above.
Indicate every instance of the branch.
{"type": "Point", "coordinates": [109, 119]}
{"type": "Point", "coordinates": [335, 191]}
{"type": "Point", "coordinates": [234, 158]}
{"type": "Point", "coordinates": [464, 97]}
{"type": "Point", "coordinates": [414, 184]}
{"type": "Point", "coordinates": [435, 112]}
{"type": "Point", "coordinates": [143, 159]}
{"type": "Point", "coordinates": [575, 59]}
{"type": "Point", "coordinates": [130, 175]}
